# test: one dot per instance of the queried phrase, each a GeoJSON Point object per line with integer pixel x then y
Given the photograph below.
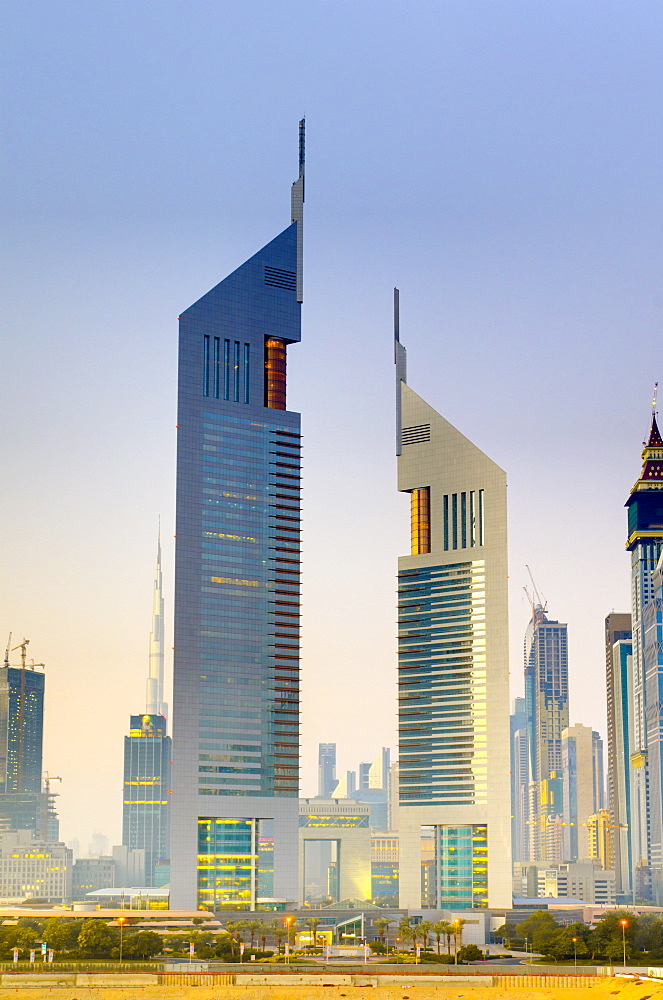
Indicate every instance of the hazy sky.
{"type": "Point", "coordinates": [499, 161]}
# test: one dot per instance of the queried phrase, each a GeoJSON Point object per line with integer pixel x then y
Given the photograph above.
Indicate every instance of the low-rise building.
{"type": "Point", "coordinates": [90, 874]}
{"type": "Point", "coordinates": [32, 869]}
{"type": "Point", "coordinates": [585, 881]}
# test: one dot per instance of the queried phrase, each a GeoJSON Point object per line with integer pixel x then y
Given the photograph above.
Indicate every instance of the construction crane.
{"type": "Point", "coordinates": [48, 778]}
{"type": "Point", "coordinates": [7, 651]}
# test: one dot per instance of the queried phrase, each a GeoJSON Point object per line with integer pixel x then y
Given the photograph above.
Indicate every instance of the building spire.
{"type": "Point", "coordinates": [297, 210]}
{"type": "Point", "coordinates": [155, 704]}
{"type": "Point", "coordinates": [400, 360]}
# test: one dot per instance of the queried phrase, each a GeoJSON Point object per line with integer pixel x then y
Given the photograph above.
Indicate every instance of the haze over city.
{"type": "Point", "coordinates": [499, 163]}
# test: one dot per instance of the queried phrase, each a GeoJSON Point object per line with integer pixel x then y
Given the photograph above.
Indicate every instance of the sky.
{"type": "Point", "coordinates": [497, 161]}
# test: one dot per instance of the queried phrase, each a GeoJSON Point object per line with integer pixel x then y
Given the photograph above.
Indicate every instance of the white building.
{"type": "Point", "coordinates": [343, 825]}
{"type": "Point", "coordinates": [588, 882]}
{"type": "Point", "coordinates": [30, 869]}
{"type": "Point", "coordinates": [453, 662]}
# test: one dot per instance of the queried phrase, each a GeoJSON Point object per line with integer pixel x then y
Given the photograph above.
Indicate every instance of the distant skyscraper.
{"type": "Point", "coordinates": [237, 591]}
{"type": "Point", "coordinates": [619, 689]}
{"type": "Point", "coordinates": [146, 810]}
{"type": "Point", "coordinates": [21, 727]}
{"type": "Point", "coordinates": [547, 707]}
{"type": "Point", "coordinates": [155, 703]}
{"type": "Point", "coordinates": [453, 662]}
{"type": "Point", "coordinates": [582, 775]}
{"type": "Point", "coordinates": [326, 769]}
{"type": "Point", "coordinates": [519, 782]}
{"type": "Point", "coordinates": [645, 543]}
{"type": "Point", "coordinates": [147, 761]}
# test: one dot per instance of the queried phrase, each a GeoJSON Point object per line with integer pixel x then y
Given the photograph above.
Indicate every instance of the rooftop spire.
{"type": "Point", "coordinates": [651, 477]}
{"type": "Point", "coordinates": [400, 360]}
{"type": "Point", "coordinates": [155, 704]}
{"type": "Point", "coordinates": [297, 210]}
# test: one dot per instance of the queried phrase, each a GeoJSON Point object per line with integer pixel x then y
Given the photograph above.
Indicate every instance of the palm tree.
{"type": "Point", "coordinates": [312, 924]}
{"type": "Point", "coordinates": [439, 929]}
{"type": "Point", "coordinates": [253, 927]}
{"type": "Point", "coordinates": [382, 924]}
{"type": "Point", "coordinates": [278, 930]}
{"type": "Point", "coordinates": [234, 931]}
{"type": "Point", "coordinates": [424, 928]}
{"type": "Point", "coordinates": [458, 935]}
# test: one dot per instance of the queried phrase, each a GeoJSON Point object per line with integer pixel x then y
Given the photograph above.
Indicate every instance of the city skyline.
{"type": "Point", "coordinates": [523, 233]}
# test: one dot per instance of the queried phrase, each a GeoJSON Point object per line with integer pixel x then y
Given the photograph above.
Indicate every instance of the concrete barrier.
{"type": "Point", "coordinates": [37, 979]}
{"type": "Point", "coordinates": [119, 979]}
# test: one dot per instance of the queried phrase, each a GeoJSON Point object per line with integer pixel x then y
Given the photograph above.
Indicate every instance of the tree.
{"type": "Point", "coordinates": [560, 944]}
{"type": "Point", "coordinates": [607, 938]}
{"type": "Point", "coordinates": [382, 925]}
{"type": "Point", "coordinates": [458, 925]}
{"type": "Point", "coordinates": [96, 939]}
{"type": "Point", "coordinates": [538, 928]}
{"type": "Point", "coordinates": [312, 924]}
{"type": "Point", "coordinates": [405, 930]}
{"type": "Point", "coordinates": [506, 932]}
{"type": "Point", "coordinates": [425, 927]}
{"type": "Point", "coordinates": [470, 953]}
{"type": "Point", "coordinates": [253, 927]}
{"type": "Point", "coordinates": [278, 930]}
{"type": "Point", "coordinates": [143, 944]}
{"type": "Point", "coordinates": [439, 930]}
{"type": "Point", "coordinates": [61, 934]}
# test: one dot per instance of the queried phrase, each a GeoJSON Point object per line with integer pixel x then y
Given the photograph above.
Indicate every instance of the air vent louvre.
{"type": "Point", "coordinates": [416, 435]}
{"type": "Point", "coordinates": [281, 279]}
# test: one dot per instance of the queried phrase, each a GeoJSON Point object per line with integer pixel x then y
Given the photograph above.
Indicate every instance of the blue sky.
{"type": "Point", "coordinates": [498, 161]}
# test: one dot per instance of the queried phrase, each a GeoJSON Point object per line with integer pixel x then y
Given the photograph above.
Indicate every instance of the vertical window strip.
{"type": "Point", "coordinates": [236, 371]}
{"type": "Point", "coordinates": [246, 372]}
{"type": "Point", "coordinates": [463, 520]}
{"type": "Point", "coordinates": [481, 517]}
{"type": "Point", "coordinates": [217, 364]}
{"type": "Point", "coordinates": [473, 523]}
{"type": "Point", "coordinates": [454, 520]}
{"type": "Point", "coordinates": [205, 365]}
{"type": "Point", "coordinates": [445, 511]}
{"type": "Point", "coordinates": [226, 369]}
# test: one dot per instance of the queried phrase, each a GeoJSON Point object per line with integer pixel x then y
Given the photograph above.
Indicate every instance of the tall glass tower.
{"type": "Point", "coordinates": [453, 662]}
{"type": "Point", "coordinates": [147, 760]}
{"type": "Point", "coordinates": [547, 706]}
{"type": "Point", "coordinates": [234, 831]}
{"type": "Point", "coordinates": [645, 543]}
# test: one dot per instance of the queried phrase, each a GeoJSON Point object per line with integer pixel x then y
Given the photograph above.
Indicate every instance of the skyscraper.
{"type": "Point", "coordinates": [453, 661]}
{"type": "Point", "coordinates": [237, 593]}
{"type": "Point", "coordinates": [653, 663]}
{"type": "Point", "coordinates": [645, 543]}
{"type": "Point", "coordinates": [619, 690]}
{"type": "Point", "coordinates": [21, 725]}
{"type": "Point", "coordinates": [326, 769]}
{"type": "Point", "coordinates": [582, 775]}
{"type": "Point", "coordinates": [23, 804]}
{"type": "Point", "coordinates": [547, 706]}
{"type": "Point", "coordinates": [147, 760]}
{"type": "Point", "coordinates": [519, 782]}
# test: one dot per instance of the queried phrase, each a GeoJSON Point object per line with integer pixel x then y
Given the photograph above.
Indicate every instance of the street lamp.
{"type": "Point", "coordinates": [624, 924]}
{"type": "Point", "coordinates": [575, 951]}
{"type": "Point", "coordinates": [120, 921]}
{"type": "Point", "coordinates": [288, 922]}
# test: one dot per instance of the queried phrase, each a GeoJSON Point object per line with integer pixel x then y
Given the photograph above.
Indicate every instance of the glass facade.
{"type": "Point", "coordinates": [463, 867]}
{"type": "Point", "coordinates": [146, 803]}
{"type": "Point", "coordinates": [442, 685]}
{"type": "Point", "coordinates": [21, 729]}
{"type": "Point", "coordinates": [237, 573]}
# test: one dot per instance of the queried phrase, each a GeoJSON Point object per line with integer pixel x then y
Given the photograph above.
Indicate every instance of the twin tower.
{"type": "Point", "coordinates": [234, 831]}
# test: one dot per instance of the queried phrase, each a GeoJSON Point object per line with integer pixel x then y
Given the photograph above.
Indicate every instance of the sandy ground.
{"type": "Point", "coordinates": [606, 990]}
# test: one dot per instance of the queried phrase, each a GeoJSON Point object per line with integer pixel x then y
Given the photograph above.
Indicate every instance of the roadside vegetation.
{"type": "Point", "coordinates": [640, 937]}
